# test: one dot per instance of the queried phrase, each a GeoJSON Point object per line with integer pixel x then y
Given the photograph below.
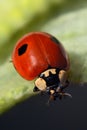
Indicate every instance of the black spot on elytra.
{"type": "Point", "coordinates": [22, 49]}
{"type": "Point", "coordinates": [54, 40]}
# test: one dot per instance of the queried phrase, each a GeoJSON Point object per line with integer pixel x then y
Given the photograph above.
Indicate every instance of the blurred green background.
{"type": "Point", "coordinates": [65, 19]}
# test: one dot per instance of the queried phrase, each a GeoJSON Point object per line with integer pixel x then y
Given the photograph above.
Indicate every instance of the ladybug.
{"type": "Point", "coordinates": [40, 55]}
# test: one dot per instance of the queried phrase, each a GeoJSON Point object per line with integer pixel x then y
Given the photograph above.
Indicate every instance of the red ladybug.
{"type": "Point", "coordinates": [41, 55]}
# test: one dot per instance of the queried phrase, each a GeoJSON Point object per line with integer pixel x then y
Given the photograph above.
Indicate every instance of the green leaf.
{"type": "Point", "coordinates": [65, 19]}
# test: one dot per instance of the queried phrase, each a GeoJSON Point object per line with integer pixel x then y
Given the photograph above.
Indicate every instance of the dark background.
{"type": "Point", "coordinates": [66, 114]}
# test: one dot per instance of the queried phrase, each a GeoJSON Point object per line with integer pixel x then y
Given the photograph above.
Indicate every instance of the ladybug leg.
{"type": "Point", "coordinates": [51, 98]}
{"type": "Point", "coordinates": [64, 94]}
{"type": "Point", "coordinates": [42, 93]}
{"type": "Point", "coordinates": [61, 87]}
{"type": "Point", "coordinates": [59, 90]}
{"type": "Point", "coordinates": [60, 93]}
{"type": "Point", "coordinates": [52, 95]}
{"type": "Point", "coordinates": [35, 89]}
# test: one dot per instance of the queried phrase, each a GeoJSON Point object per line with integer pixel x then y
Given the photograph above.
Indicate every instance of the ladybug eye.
{"type": "Point", "coordinates": [55, 40]}
{"type": "Point", "coordinates": [22, 49]}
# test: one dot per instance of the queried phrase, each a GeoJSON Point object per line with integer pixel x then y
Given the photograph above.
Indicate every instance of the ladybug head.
{"type": "Point", "coordinates": [52, 81]}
